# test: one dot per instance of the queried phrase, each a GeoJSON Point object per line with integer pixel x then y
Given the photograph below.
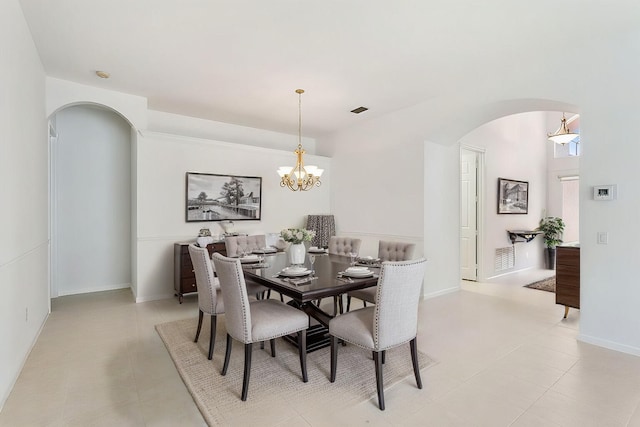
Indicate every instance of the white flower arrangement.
{"type": "Point", "coordinates": [297, 235]}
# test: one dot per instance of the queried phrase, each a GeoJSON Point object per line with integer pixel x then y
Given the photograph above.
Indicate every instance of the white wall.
{"type": "Point", "coordinates": [515, 148]}
{"type": "Point", "coordinates": [24, 242]}
{"type": "Point", "coordinates": [600, 85]}
{"type": "Point", "coordinates": [92, 208]}
{"type": "Point", "coordinates": [163, 161]}
{"type": "Point", "coordinates": [380, 191]}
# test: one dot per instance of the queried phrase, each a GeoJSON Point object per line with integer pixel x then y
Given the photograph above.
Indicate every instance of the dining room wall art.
{"type": "Point", "coordinates": [214, 197]}
{"type": "Point", "coordinates": [513, 196]}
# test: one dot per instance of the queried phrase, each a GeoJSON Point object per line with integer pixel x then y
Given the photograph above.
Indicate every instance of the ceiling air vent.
{"type": "Point", "coordinates": [359, 110]}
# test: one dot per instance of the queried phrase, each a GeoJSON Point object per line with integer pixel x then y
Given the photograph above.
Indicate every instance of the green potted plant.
{"type": "Point", "coordinates": [552, 228]}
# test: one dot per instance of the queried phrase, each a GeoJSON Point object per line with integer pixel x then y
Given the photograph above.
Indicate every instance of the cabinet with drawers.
{"type": "Point", "coordinates": [184, 278]}
{"type": "Point", "coordinates": [568, 277]}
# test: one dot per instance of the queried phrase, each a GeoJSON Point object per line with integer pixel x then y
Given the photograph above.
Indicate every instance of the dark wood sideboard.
{"type": "Point", "coordinates": [568, 277]}
{"type": "Point", "coordinates": [184, 278]}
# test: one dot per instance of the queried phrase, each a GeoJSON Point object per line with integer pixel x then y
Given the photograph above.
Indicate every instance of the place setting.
{"type": "Point", "coordinates": [265, 251]}
{"type": "Point", "coordinates": [296, 275]}
{"type": "Point", "coordinates": [252, 261]}
{"type": "Point", "coordinates": [355, 272]}
{"type": "Point", "coordinates": [318, 250]}
{"type": "Point", "coordinates": [368, 261]}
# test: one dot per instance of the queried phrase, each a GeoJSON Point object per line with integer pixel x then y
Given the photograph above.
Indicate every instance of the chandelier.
{"type": "Point", "coordinates": [300, 177]}
{"type": "Point", "coordinates": [563, 135]}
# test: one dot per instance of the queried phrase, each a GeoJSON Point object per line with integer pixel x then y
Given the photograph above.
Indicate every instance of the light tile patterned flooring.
{"type": "Point", "coordinates": [505, 357]}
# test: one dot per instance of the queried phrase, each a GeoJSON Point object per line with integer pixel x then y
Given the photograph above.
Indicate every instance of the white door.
{"type": "Point", "coordinates": [468, 214]}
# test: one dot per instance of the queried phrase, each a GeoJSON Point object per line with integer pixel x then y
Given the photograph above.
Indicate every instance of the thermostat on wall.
{"type": "Point", "coordinates": [604, 192]}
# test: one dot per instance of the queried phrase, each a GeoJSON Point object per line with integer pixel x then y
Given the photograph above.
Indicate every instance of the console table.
{"type": "Point", "coordinates": [522, 235]}
{"type": "Point", "coordinates": [184, 278]}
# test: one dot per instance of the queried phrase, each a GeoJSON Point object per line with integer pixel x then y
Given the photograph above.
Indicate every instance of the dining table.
{"type": "Point", "coordinates": [327, 278]}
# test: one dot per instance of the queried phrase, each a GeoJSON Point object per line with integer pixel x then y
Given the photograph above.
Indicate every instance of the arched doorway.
{"type": "Point", "coordinates": [90, 200]}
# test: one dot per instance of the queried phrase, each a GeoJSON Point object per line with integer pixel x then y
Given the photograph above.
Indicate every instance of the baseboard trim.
{"type": "Point", "coordinates": [24, 361]}
{"type": "Point", "coordinates": [154, 297]}
{"type": "Point", "coordinates": [441, 292]}
{"type": "Point", "coordinates": [623, 348]}
{"type": "Point", "coordinates": [97, 289]}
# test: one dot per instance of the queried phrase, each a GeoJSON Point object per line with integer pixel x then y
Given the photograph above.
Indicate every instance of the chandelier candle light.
{"type": "Point", "coordinates": [299, 177]}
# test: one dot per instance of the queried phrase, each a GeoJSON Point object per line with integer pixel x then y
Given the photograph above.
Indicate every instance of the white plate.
{"type": "Point", "coordinates": [317, 251]}
{"type": "Point", "coordinates": [265, 251]}
{"type": "Point", "coordinates": [249, 259]}
{"type": "Point", "coordinates": [357, 270]}
{"type": "Point", "coordinates": [358, 274]}
{"type": "Point", "coordinates": [294, 273]}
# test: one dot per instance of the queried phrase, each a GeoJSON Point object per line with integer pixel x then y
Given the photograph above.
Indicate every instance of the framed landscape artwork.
{"type": "Point", "coordinates": [513, 196]}
{"type": "Point", "coordinates": [212, 197]}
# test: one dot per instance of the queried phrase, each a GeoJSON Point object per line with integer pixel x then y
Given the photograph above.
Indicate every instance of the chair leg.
{"type": "Point", "coordinates": [302, 351]}
{"type": "Point", "coordinates": [247, 370]}
{"type": "Point", "coordinates": [348, 303]}
{"type": "Point", "coordinates": [281, 298]}
{"type": "Point", "coordinates": [335, 305]}
{"type": "Point", "coordinates": [272, 342]}
{"type": "Point", "coordinates": [334, 358]}
{"type": "Point", "coordinates": [379, 381]}
{"type": "Point", "coordinates": [414, 360]}
{"type": "Point", "coordinates": [212, 337]}
{"type": "Point", "coordinates": [384, 356]}
{"type": "Point", "coordinates": [200, 316]}
{"type": "Point", "coordinates": [340, 304]}
{"type": "Point", "coordinates": [227, 355]}
{"type": "Point", "coordinates": [364, 303]}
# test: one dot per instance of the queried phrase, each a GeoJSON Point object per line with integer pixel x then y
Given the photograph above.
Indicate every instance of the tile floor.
{"type": "Point", "coordinates": [505, 357]}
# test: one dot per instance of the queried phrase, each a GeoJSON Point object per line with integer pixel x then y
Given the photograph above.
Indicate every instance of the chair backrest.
{"type": "Point", "coordinates": [205, 279]}
{"type": "Point", "coordinates": [396, 314]}
{"type": "Point", "coordinates": [395, 251]}
{"type": "Point", "coordinates": [343, 245]}
{"type": "Point", "coordinates": [236, 300]}
{"type": "Point", "coordinates": [237, 244]}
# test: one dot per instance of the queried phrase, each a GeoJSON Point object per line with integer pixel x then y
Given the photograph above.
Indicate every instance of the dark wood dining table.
{"type": "Point", "coordinates": [305, 292]}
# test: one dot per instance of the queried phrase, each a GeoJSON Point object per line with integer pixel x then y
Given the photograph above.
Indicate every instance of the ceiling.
{"type": "Point", "coordinates": [241, 61]}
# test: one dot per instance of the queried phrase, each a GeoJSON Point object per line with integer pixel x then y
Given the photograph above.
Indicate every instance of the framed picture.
{"type": "Point", "coordinates": [212, 197]}
{"type": "Point", "coordinates": [513, 196]}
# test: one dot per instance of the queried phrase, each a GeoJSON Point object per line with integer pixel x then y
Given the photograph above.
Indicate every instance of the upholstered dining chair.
{"type": "Point", "coordinates": [209, 298]}
{"type": "Point", "coordinates": [343, 245]}
{"type": "Point", "coordinates": [387, 251]}
{"type": "Point", "coordinates": [393, 321]}
{"type": "Point", "coordinates": [238, 245]}
{"type": "Point", "coordinates": [256, 321]}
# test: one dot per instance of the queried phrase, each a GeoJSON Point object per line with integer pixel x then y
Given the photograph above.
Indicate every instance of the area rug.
{"type": "Point", "coordinates": [275, 380]}
{"type": "Point", "coordinates": [548, 284]}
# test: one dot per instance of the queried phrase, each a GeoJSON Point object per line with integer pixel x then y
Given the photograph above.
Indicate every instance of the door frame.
{"type": "Point", "coordinates": [480, 187]}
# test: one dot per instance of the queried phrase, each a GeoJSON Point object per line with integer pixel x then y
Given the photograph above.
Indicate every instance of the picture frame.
{"type": "Point", "coordinates": [513, 196]}
{"type": "Point", "coordinates": [216, 197]}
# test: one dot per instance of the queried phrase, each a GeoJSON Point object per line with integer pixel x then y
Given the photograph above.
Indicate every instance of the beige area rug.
{"type": "Point", "coordinates": [274, 380]}
{"type": "Point", "coordinates": [548, 285]}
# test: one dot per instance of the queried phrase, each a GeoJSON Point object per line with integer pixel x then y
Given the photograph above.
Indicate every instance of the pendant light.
{"type": "Point", "coordinates": [563, 135]}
